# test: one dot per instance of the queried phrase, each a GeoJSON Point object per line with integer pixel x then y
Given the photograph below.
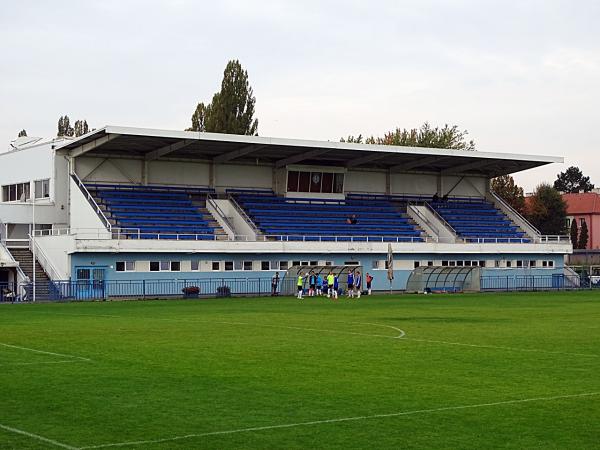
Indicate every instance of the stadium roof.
{"type": "Point", "coordinates": [151, 144]}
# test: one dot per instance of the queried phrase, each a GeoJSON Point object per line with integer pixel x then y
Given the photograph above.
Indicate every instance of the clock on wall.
{"type": "Point", "coordinates": [316, 178]}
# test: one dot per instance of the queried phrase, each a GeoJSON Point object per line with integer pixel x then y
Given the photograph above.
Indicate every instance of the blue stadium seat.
{"type": "Point", "coordinates": [314, 219]}
{"type": "Point", "coordinates": [152, 212]}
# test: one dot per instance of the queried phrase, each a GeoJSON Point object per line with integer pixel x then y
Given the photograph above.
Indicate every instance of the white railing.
{"type": "Point", "coordinates": [17, 265]}
{"type": "Point", "coordinates": [136, 233]}
{"type": "Point", "coordinates": [440, 218]}
{"type": "Point", "coordinates": [44, 261]}
{"type": "Point", "coordinates": [412, 207]}
{"type": "Point", "coordinates": [91, 201]}
{"type": "Point", "coordinates": [524, 222]}
{"type": "Point", "coordinates": [242, 213]}
{"type": "Point", "coordinates": [553, 239]}
{"type": "Point", "coordinates": [211, 201]}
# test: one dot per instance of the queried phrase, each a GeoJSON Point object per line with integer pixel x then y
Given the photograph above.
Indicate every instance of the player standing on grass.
{"type": "Point", "coordinates": [330, 283]}
{"type": "Point", "coordinates": [350, 284]}
{"type": "Point", "coordinates": [312, 281]}
{"type": "Point", "coordinates": [300, 285]}
{"type": "Point", "coordinates": [369, 281]}
{"type": "Point", "coordinates": [357, 283]}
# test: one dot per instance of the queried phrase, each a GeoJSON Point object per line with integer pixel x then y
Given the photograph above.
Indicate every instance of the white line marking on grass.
{"type": "Point", "coordinates": [286, 327]}
{"type": "Point", "coordinates": [39, 362]}
{"type": "Point", "coordinates": [514, 349]}
{"type": "Point", "coordinates": [37, 437]}
{"type": "Point", "coordinates": [342, 419]}
{"type": "Point", "coordinates": [45, 352]}
{"type": "Point", "coordinates": [401, 335]}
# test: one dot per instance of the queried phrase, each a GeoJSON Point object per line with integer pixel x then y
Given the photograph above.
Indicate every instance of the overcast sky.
{"type": "Point", "coordinates": [520, 76]}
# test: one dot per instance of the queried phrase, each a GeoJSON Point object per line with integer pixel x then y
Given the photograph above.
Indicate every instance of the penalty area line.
{"type": "Point", "coordinates": [342, 419]}
{"type": "Point", "coordinates": [43, 352]}
{"type": "Point", "coordinates": [36, 437]}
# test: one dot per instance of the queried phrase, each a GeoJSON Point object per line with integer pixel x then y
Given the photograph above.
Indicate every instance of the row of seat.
{"type": "Point", "coordinates": [149, 212]}
{"type": "Point", "coordinates": [478, 220]}
{"type": "Point", "coordinates": [327, 219]}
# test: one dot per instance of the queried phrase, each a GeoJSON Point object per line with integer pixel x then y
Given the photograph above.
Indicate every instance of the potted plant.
{"type": "Point", "coordinates": [191, 291]}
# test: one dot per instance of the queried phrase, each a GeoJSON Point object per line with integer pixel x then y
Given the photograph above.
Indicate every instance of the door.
{"type": "Point", "coordinates": [89, 283]}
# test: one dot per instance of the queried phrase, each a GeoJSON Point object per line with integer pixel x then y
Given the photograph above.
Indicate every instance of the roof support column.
{"type": "Point", "coordinates": [388, 182]}
{"type": "Point", "coordinates": [212, 175]}
{"type": "Point", "coordinates": [145, 172]}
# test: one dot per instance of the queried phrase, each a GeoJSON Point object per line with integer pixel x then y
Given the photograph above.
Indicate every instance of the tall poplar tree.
{"type": "Point", "coordinates": [231, 110]}
{"type": "Point", "coordinates": [583, 236]}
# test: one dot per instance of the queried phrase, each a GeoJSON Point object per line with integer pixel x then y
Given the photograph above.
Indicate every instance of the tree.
{"type": "Point", "coordinates": [64, 127]}
{"type": "Point", "coordinates": [574, 232]}
{"type": "Point", "coordinates": [583, 237]}
{"type": "Point", "coordinates": [449, 137]}
{"type": "Point", "coordinates": [547, 211]}
{"type": "Point", "coordinates": [22, 133]}
{"type": "Point", "coordinates": [198, 118]}
{"type": "Point", "coordinates": [572, 181]}
{"type": "Point", "coordinates": [80, 128]}
{"type": "Point", "coordinates": [231, 110]}
{"type": "Point", "coordinates": [512, 194]}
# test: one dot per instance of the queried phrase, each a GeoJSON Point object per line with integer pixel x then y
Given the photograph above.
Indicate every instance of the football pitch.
{"type": "Point", "coordinates": [441, 371]}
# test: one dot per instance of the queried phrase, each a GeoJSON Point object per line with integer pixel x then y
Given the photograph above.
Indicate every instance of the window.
{"type": "Point", "coordinates": [481, 263]}
{"type": "Point", "coordinates": [265, 265]}
{"type": "Point", "coordinates": [416, 264]}
{"type": "Point", "coordinates": [508, 263]}
{"type": "Point", "coordinates": [42, 189]}
{"type": "Point", "coordinates": [429, 263]}
{"type": "Point", "coordinates": [375, 264]}
{"type": "Point", "coordinates": [125, 266]}
{"type": "Point", "coordinates": [216, 265]}
{"type": "Point", "coordinates": [247, 265]}
{"type": "Point", "coordinates": [445, 263]}
{"type": "Point", "coordinates": [316, 182]}
{"type": "Point", "coordinates": [304, 263]}
{"type": "Point", "coordinates": [581, 222]}
{"type": "Point", "coordinates": [452, 263]}
{"type": "Point", "coordinates": [386, 264]}
{"type": "Point", "coordinates": [16, 192]}
{"type": "Point", "coordinates": [459, 263]}
{"type": "Point", "coordinates": [238, 265]}
{"type": "Point", "coordinates": [154, 266]}
{"type": "Point", "coordinates": [568, 223]}
{"type": "Point", "coordinates": [329, 263]}
{"type": "Point", "coordinates": [351, 263]}
{"type": "Point", "coordinates": [519, 263]}
{"type": "Point", "coordinates": [165, 266]}
{"type": "Point", "coordinates": [228, 265]}
{"type": "Point", "coordinates": [550, 263]}
{"type": "Point", "coordinates": [195, 265]}
{"type": "Point", "coordinates": [175, 266]}
{"type": "Point", "coordinates": [283, 265]}
{"type": "Point", "coordinates": [496, 263]}
{"type": "Point", "coordinates": [532, 263]}
{"type": "Point", "coordinates": [468, 263]}
{"type": "Point", "coordinates": [314, 263]}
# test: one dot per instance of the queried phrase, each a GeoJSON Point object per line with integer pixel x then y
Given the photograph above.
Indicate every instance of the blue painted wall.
{"type": "Point", "coordinates": [108, 262]}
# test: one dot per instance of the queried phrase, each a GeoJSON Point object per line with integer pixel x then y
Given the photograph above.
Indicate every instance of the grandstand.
{"type": "Point", "coordinates": [127, 206]}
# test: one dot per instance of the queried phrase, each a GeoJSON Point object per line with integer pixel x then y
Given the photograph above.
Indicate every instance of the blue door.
{"type": "Point", "coordinates": [89, 283]}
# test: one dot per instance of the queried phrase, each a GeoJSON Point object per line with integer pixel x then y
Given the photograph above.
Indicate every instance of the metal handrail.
{"type": "Point", "coordinates": [414, 208]}
{"type": "Point", "coordinates": [245, 216]}
{"type": "Point", "coordinates": [43, 259]}
{"type": "Point", "coordinates": [17, 264]}
{"type": "Point", "coordinates": [91, 201]}
{"type": "Point", "coordinates": [210, 200]}
{"type": "Point", "coordinates": [438, 216]}
{"type": "Point", "coordinates": [514, 211]}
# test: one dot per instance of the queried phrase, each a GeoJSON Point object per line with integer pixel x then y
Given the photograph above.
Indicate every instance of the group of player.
{"type": "Point", "coordinates": [329, 285]}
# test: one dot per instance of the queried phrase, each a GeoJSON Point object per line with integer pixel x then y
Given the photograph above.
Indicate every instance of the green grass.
{"type": "Point", "coordinates": [162, 369]}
